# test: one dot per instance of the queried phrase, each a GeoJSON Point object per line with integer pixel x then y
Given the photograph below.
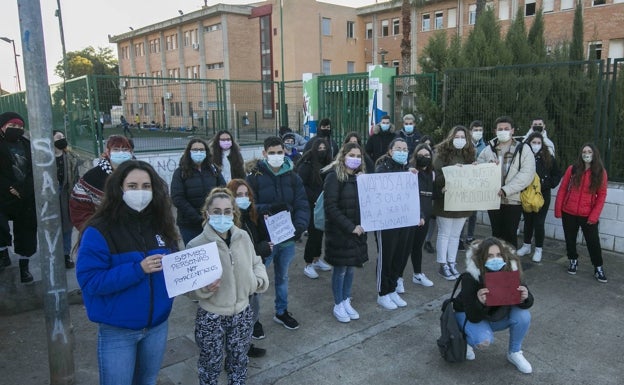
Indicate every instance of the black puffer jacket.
{"type": "Point", "coordinates": [425, 185]}
{"type": "Point", "coordinates": [377, 144]}
{"type": "Point", "coordinates": [189, 194]}
{"type": "Point", "coordinates": [549, 178]}
{"type": "Point", "coordinates": [342, 214]}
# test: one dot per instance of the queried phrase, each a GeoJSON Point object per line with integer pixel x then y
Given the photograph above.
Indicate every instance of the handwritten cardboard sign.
{"type": "Point", "coordinates": [503, 287]}
{"type": "Point", "coordinates": [388, 200]}
{"type": "Point", "coordinates": [280, 227]}
{"type": "Point", "coordinates": [472, 187]}
{"type": "Point", "coordinates": [191, 269]}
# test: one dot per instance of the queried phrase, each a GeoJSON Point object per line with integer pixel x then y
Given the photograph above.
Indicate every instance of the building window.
{"type": "Point", "coordinates": [350, 67]}
{"type": "Point", "coordinates": [187, 38]}
{"type": "Point", "coordinates": [266, 68]}
{"type": "Point", "coordinates": [548, 5]}
{"type": "Point", "coordinates": [472, 14]}
{"type": "Point", "coordinates": [385, 28]}
{"type": "Point", "coordinates": [396, 26]}
{"type": "Point", "coordinates": [503, 10]}
{"type": "Point", "coordinates": [369, 30]}
{"type": "Point", "coordinates": [594, 51]}
{"type": "Point", "coordinates": [139, 50]}
{"type": "Point", "coordinates": [451, 18]}
{"type": "Point", "coordinates": [326, 67]}
{"type": "Point", "coordinates": [439, 20]}
{"type": "Point", "coordinates": [326, 26]}
{"type": "Point", "coordinates": [124, 52]}
{"type": "Point", "coordinates": [599, 2]}
{"type": "Point", "coordinates": [154, 45]}
{"type": "Point", "coordinates": [396, 63]}
{"type": "Point", "coordinates": [426, 22]}
{"type": "Point", "coordinates": [171, 42]}
{"type": "Point", "coordinates": [567, 4]}
{"type": "Point", "coordinates": [212, 28]}
{"type": "Point", "coordinates": [350, 29]}
{"type": "Point", "coordinates": [529, 8]}
{"type": "Point", "coordinates": [616, 48]}
{"type": "Point", "coordinates": [214, 66]}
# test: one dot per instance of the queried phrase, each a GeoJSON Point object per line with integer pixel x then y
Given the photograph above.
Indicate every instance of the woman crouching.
{"type": "Point", "coordinates": [224, 318]}
{"type": "Point", "coordinates": [481, 321]}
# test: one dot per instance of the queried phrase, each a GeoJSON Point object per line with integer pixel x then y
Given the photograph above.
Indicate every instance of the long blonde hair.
{"type": "Point", "coordinates": [339, 164]}
{"type": "Point", "coordinates": [221, 192]}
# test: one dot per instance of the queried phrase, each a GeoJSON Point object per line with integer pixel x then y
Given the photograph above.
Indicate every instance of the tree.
{"type": "Point", "coordinates": [484, 47]}
{"type": "Point", "coordinates": [516, 40]}
{"type": "Point", "coordinates": [89, 61]}
{"type": "Point", "coordinates": [576, 47]}
{"type": "Point", "coordinates": [536, 37]}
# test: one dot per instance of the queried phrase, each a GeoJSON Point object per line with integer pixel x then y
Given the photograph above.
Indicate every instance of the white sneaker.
{"type": "Point", "coordinates": [520, 362]}
{"type": "Point", "coordinates": [524, 250]}
{"type": "Point", "coordinates": [537, 256]}
{"type": "Point", "coordinates": [385, 302]}
{"type": "Point", "coordinates": [400, 288]}
{"type": "Point", "coordinates": [397, 300]}
{"type": "Point", "coordinates": [353, 314]}
{"type": "Point", "coordinates": [320, 264]}
{"type": "Point", "coordinates": [470, 354]}
{"type": "Point", "coordinates": [310, 272]}
{"type": "Point", "coordinates": [340, 313]}
{"type": "Point", "coordinates": [421, 279]}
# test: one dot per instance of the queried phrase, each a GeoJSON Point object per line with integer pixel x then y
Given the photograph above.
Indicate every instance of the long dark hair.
{"type": "Point", "coordinates": [445, 150]}
{"type": "Point", "coordinates": [233, 186]}
{"type": "Point", "coordinates": [422, 146]}
{"type": "Point", "coordinates": [235, 157]}
{"type": "Point", "coordinates": [480, 254]}
{"type": "Point", "coordinates": [544, 152]}
{"type": "Point", "coordinates": [316, 161]}
{"type": "Point", "coordinates": [187, 166]}
{"type": "Point", "coordinates": [112, 212]}
{"type": "Point", "coordinates": [596, 167]}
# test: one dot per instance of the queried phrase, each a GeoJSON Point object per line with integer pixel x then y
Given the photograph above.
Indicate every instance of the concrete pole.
{"type": "Point", "coordinates": [49, 230]}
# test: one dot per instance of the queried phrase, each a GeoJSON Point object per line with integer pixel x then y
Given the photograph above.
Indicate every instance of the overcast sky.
{"type": "Point", "coordinates": [89, 22]}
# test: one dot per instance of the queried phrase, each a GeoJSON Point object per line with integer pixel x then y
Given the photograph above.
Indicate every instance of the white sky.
{"type": "Point", "coordinates": [89, 22]}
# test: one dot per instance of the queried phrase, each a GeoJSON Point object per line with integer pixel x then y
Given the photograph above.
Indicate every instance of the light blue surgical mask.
{"type": "Point", "coordinates": [495, 264]}
{"type": "Point", "coordinates": [243, 202]}
{"type": "Point", "coordinates": [384, 127]}
{"type": "Point", "coordinates": [221, 223]}
{"type": "Point", "coordinates": [118, 157]}
{"type": "Point", "coordinates": [399, 156]}
{"type": "Point", "coordinates": [198, 156]}
{"type": "Point", "coordinates": [409, 128]}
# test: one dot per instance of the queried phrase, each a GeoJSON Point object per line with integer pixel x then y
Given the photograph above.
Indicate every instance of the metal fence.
{"type": "Point", "coordinates": [344, 99]}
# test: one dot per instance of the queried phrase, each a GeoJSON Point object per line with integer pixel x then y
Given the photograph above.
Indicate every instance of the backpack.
{"type": "Point", "coordinates": [319, 212]}
{"type": "Point", "coordinates": [452, 341]}
{"type": "Point", "coordinates": [531, 197]}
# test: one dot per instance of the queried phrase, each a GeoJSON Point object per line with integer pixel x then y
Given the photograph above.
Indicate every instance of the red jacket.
{"type": "Point", "coordinates": [578, 200]}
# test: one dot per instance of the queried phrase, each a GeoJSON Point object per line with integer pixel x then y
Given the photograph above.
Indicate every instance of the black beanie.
{"type": "Point", "coordinates": [6, 116]}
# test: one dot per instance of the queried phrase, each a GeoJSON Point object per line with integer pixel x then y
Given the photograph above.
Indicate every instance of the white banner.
{"type": "Point", "coordinates": [472, 187]}
{"type": "Point", "coordinates": [388, 200]}
{"type": "Point", "coordinates": [191, 269]}
{"type": "Point", "coordinates": [280, 227]}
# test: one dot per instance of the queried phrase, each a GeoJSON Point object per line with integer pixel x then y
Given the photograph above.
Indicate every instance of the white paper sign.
{"type": "Point", "coordinates": [191, 269]}
{"type": "Point", "coordinates": [280, 227]}
{"type": "Point", "coordinates": [388, 200]}
{"type": "Point", "coordinates": [472, 187]}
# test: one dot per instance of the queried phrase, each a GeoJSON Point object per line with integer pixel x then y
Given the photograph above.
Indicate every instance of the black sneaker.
{"type": "Point", "coordinates": [255, 352]}
{"type": "Point", "coordinates": [461, 246]}
{"type": "Point", "coordinates": [600, 275]}
{"type": "Point", "coordinates": [573, 266]}
{"type": "Point", "coordinates": [5, 260]}
{"type": "Point", "coordinates": [429, 247]}
{"type": "Point", "coordinates": [286, 320]}
{"type": "Point", "coordinates": [258, 331]}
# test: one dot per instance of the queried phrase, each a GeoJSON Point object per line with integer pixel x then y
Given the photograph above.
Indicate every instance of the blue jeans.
{"type": "Point", "coordinates": [281, 257]}
{"type": "Point", "coordinates": [130, 357]}
{"type": "Point", "coordinates": [518, 323]}
{"type": "Point", "coordinates": [342, 280]}
{"type": "Point", "coordinates": [67, 238]}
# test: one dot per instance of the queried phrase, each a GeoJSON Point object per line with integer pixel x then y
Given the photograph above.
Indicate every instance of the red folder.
{"type": "Point", "coordinates": [503, 287]}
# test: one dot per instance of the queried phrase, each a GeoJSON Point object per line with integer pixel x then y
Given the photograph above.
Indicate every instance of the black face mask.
{"type": "Point", "coordinates": [61, 144]}
{"type": "Point", "coordinates": [12, 134]}
{"type": "Point", "coordinates": [538, 128]}
{"type": "Point", "coordinates": [324, 133]}
{"type": "Point", "coordinates": [422, 161]}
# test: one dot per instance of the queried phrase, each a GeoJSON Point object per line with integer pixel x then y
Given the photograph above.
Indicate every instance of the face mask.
{"type": "Point", "coordinates": [324, 133]}
{"type": "Point", "coordinates": [275, 160]}
{"type": "Point", "coordinates": [61, 144]}
{"type": "Point", "coordinates": [477, 135]}
{"type": "Point", "coordinates": [12, 134]}
{"type": "Point", "coordinates": [384, 127]}
{"type": "Point", "coordinates": [537, 128]}
{"type": "Point", "coordinates": [321, 153]}
{"type": "Point", "coordinates": [118, 157]}
{"type": "Point", "coordinates": [225, 144]}
{"type": "Point", "coordinates": [221, 223]}
{"type": "Point", "coordinates": [422, 161]}
{"type": "Point", "coordinates": [503, 136]}
{"type": "Point", "coordinates": [409, 128]}
{"type": "Point", "coordinates": [536, 148]}
{"type": "Point", "coordinates": [587, 158]}
{"type": "Point", "coordinates": [459, 143]}
{"type": "Point", "coordinates": [353, 163]}
{"type": "Point", "coordinates": [137, 200]}
{"type": "Point", "coordinates": [495, 264]}
{"type": "Point", "coordinates": [198, 156]}
{"type": "Point", "coordinates": [243, 202]}
{"type": "Point", "coordinates": [289, 146]}
{"type": "Point", "coordinates": [399, 156]}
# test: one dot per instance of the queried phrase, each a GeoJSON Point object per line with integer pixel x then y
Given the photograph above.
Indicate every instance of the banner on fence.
{"type": "Point", "coordinates": [472, 187]}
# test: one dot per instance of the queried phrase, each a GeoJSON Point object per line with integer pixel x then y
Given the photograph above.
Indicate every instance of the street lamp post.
{"type": "Point", "coordinates": [11, 41]}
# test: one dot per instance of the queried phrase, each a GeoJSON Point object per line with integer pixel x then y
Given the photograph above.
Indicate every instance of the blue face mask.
{"type": "Point", "coordinates": [221, 223]}
{"type": "Point", "coordinates": [118, 157]}
{"type": "Point", "coordinates": [198, 156]}
{"type": "Point", "coordinates": [243, 202]}
{"type": "Point", "coordinates": [399, 156]}
{"type": "Point", "coordinates": [495, 264]}
{"type": "Point", "coordinates": [384, 127]}
{"type": "Point", "coordinates": [409, 128]}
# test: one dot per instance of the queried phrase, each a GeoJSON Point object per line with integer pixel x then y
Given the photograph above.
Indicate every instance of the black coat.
{"type": "Point", "coordinates": [342, 214]}
{"type": "Point", "coordinates": [23, 183]}
{"type": "Point", "coordinates": [387, 164]}
{"type": "Point", "coordinates": [189, 194]}
{"type": "Point", "coordinates": [377, 144]}
{"type": "Point", "coordinates": [549, 178]}
{"type": "Point", "coordinates": [313, 185]}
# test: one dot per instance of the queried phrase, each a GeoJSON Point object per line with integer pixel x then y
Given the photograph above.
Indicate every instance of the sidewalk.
{"type": "Point", "coordinates": [575, 337]}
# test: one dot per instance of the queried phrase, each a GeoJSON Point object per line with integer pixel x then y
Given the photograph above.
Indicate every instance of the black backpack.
{"type": "Point", "coordinates": [452, 341]}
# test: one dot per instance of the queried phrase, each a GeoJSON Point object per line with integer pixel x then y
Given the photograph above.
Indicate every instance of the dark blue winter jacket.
{"type": "Point", "coordinates": [189, 194]}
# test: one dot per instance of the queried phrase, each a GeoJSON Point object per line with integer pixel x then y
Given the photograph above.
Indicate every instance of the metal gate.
{"type": "Point", "coordinates": [344, 100]}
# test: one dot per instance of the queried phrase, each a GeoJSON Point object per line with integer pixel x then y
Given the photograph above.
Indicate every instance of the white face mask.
{"type": "Point", "coordinates": [137, 200]}
{"type": "Point", "coordinates": [503, 136]}
{"type": "Point", "coordinates": [536, 148]}
{"type": "Point", "coordinates": [477, 135]}
{"type": "Point", "coordinates": [459, 143]}
{"type": "Point", "coordinates": [587, 158]}
{"type": "Point", "coordinates": [275, 160]}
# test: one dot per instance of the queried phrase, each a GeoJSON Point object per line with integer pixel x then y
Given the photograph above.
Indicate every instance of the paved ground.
{"type": "Point", "coordinates": [576, 334]}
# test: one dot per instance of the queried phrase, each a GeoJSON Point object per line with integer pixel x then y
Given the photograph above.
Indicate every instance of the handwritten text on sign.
{"type": "Point", "coordinates": [191, 269]}
{"type": "Point", "coordinates": [472, 187]}
{"type": "Point", "coordinates": [388, 200]}
{"type": "Point", "coordinates": [280, 227]}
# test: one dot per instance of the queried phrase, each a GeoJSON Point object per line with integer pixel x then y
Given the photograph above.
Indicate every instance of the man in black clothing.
{"type": "Point", "coordinates": [324, 132]}
{"type": "Point", "coordinates": [383, 134]}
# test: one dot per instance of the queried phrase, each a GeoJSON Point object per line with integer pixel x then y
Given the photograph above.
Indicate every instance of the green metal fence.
{"type": "Point", "coordinates": [344, 99]}
{"type": "Point", "coordinates": [413, 94]}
